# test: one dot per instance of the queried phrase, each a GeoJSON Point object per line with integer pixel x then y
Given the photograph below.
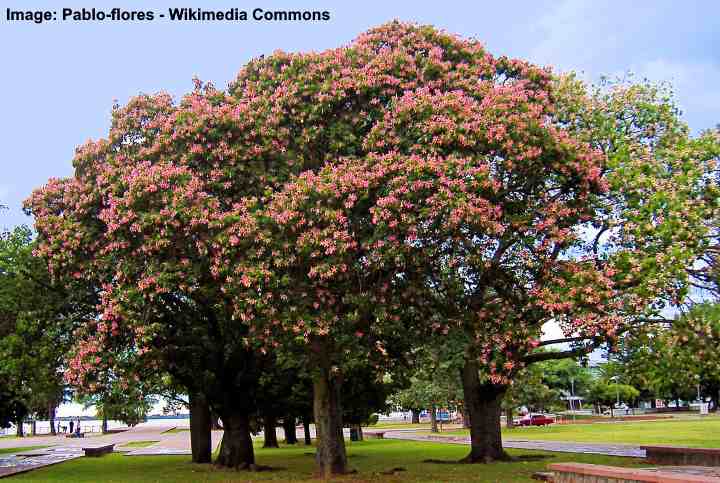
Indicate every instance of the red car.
{"type": "Point", "coordinates": [536, 420]}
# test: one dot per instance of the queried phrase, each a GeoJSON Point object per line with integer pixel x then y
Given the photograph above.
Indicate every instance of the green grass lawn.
{"type": "Point", "coordinates": [680, 432]}
{"type": "Point", "coordinates": [4, 451]}
{"type": "Point", "coordinates": [370, 458]}
{"type": "Point", "coordinates": [138, 444]}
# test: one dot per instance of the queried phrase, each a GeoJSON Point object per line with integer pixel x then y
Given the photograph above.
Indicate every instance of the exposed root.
{"type": "Point", "coordinates": [392, 471]}
{"type": "Point", "coordinates": [486, 459]}
{"type": "Point", "coordinates": [246, 467]}
{"type": "Point", "coordinates": [323, 476]}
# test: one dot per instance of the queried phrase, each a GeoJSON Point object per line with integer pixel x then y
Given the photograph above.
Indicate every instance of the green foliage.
{"type": "Point", "coordinates": [434, 381]}
{"type": "Point", "coordinates": [363, 395]}
{"type": "Point", "coordinates": [669, 361]}
{"type": "Point", "coordinates": [529, 389]}
{"type": "Point", "coordinates": [34, 330]}
{"type": "Point", "coordinates": [541, 386]}
{"type": "Point", "coordinates": [655, 221]}
{"type": "Point", "coordinates": [566, 375]}
{"type": "Point", "coordinates": [609, 394]}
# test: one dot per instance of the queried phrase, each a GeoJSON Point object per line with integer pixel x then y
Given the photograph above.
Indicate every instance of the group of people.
{"type": "Point", "coordinates": [74, 427]}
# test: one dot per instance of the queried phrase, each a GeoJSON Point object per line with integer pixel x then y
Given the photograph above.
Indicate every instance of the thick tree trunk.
{"type": "Point", "coordinates": [33, 428]}
{"type": "Point", "coordinates": [104, 424]}
{"type": "Point", "coordinates": [200, 426]}
{"type": "Point", "coordinates": [509, 418]}
{"type": "Point", "coordinates": [236, 449]}
{"type": "Point", "coordinates": [358, 431]}
{"type": "Point", "coordinates": [433, 420]}
{"type": "Point", "coordinates": [269, 424]}
{"type": "Point", "coordinates": [483, 401]}
{"type": "Point", "coordinates": [306, 430]}
{"type": "Point", "coordinates": [51, 415]}
{"type": "Point", "coordinates": [415, 416]}
{"type": "Point", "coordinates": [215, 421]}
{"type": "Point", "coordinates": [466, 417]}
{"type": "Point", "coordinates": [289, 430]}
{"type": "Point", "coordinates": [331, 457]}
{"type": "Point", "coordinates": [19, 430]}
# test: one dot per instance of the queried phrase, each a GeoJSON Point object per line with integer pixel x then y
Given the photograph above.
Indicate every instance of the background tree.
{"type": "Point", "coordinates": [36, 323]}
{"type": "Point", "coordinates": [531, 391]}
{"type": "Point", "coordinates": [602, 393]}
{"type": "Point", "coordinates": [675, 360]}
{"type": "Point", "coordinates": [364, 395]}
{"type": "Point", "coordinates": [434, 381]}
{"type": "Point", "coordinates": [121, 402]}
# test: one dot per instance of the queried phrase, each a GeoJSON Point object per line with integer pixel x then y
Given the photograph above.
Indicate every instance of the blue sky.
{"type": "Point", "coordinates": [59, 79]}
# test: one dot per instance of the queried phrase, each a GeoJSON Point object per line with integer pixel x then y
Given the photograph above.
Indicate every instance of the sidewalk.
{"type": "Point", "coordinates": [559, 446]}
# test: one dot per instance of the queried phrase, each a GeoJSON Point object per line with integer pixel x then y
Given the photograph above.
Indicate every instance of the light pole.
{"type": "Point", "coordinates": [572, 397]}
{"type": "Point", "coordinates": [617, 391]}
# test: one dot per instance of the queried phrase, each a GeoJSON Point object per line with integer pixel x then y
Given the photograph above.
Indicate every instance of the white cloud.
{"type": "Point", "coordinates": [551, 330]}
{"type": "Point", "coordinates": [573, 34]}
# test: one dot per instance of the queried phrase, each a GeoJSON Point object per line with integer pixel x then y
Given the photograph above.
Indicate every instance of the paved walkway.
{"type": "Point", "coordinates": [705, 471]}
{"type": "Point", "coordinates": [141, 432]}
{"type": "Point", "coordinates": [173, 444]}
{"type": "Point", "coordinates": [62, 449]}
{"type": "Point", "coordinates": [22, 462]}
{"type": "Point", "coordinates": [559, 446]}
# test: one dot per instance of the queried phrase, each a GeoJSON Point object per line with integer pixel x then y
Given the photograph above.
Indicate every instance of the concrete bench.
{"type": "Point", "coordinates": [674, 455]}
{"type": "Point", "coordinates": [374, 434]}
{"type": "Point", "coordinates": [587, 473]}
{"type": "Point", "coordinates": [99, 450]}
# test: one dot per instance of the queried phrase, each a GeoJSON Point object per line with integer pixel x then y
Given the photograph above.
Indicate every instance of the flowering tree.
{"type": "Point", "coordinates": [136, 219]}
{"type": "Point", "coordinates": [333, 203]}
{"type": "Point", "coordinates": [339, 246]}
{"type": "Point", "coordinates": [479, 206]}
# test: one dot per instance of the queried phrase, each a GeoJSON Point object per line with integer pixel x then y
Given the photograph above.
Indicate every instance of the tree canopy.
{"type": "Point", "coordinates": [345, 207]}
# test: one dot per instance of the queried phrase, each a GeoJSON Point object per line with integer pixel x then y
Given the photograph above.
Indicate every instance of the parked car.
{"type": "Point", "coordinates": [441, 415]}
{"type": "Point", "coordinates": [535, 420]}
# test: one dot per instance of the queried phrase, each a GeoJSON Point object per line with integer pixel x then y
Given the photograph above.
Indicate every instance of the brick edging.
{"type": "Point", "coordinates": [629, 474]}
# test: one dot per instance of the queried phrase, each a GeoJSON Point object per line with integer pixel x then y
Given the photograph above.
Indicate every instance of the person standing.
{"type": "Point", "coordinates": [72, 424]}
{"type": "Point", "coordinates": [77, 426]}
